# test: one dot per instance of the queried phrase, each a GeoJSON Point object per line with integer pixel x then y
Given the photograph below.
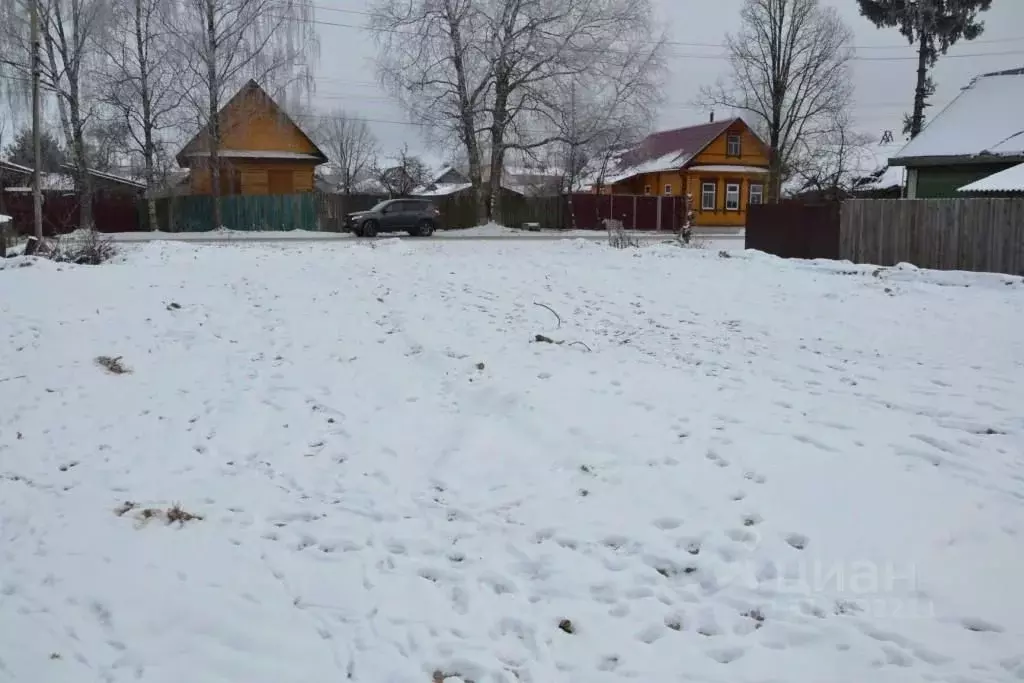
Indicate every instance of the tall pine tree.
{"type": "Point", "coordinates": [933, 26]}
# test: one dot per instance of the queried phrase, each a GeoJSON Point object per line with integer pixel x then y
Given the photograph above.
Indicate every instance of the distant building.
{"type": "Point", "coordinates": [980, 133]}
{"type": "Point", "coordinates": [262, 150]}
{"type": "Point", "coordinates": [723, 165]}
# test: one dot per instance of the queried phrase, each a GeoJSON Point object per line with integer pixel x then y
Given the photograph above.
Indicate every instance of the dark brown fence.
{"type": "Point", "coordinates": [794, 230]}
{"type": "Point", "coordinates": [332, 208]}
{"type": "Point", "coordinates": [111, 213]}
{"type": "Point", "coordinates": [978, 234]}
{"type": "Point", "coordinates": [637, 212]}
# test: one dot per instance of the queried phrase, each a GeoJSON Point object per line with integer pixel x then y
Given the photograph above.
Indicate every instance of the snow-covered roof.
{"type": "Point", "coordinates": [874, 172]}
{"type": "Point", "coordinates": [369, 186]}
{"type": "Point", "coordinates": [256, 154]}
{"type": "Point", "coordinates": [1010, 180]}
{"type": "Point", "coordinates": [884, 178]}
{"type": "Point", "coordinates": [440, 189]}
{"type": "Point", "coordinates": [986, 119]}
{"type": "Point", "coordinates": [64, 182]}
{"type": "Point", "coordinates": [11, 166]}
{"type": "Point", "coordinates": [665, 151]}
{"type": "Point", "coordinates": [442, 172]}
{"type": "Point", "coordinates": [49, 182]}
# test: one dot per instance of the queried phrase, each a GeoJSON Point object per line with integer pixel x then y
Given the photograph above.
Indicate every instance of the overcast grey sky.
{"type": "Point", "coordinates": [883, 73]}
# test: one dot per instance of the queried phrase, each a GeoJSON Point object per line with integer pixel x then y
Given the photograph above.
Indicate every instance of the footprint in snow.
{"type": "Point", "coordinates": [798, 541]}
{"type": "Point", "coordinates": [668, 523]}
{"type": "Point", "coordinates": [980, 625]}
{"type": "Point", "coordinates": [754, 477]}
{"type": "Point", "coordinates": [717, 459]}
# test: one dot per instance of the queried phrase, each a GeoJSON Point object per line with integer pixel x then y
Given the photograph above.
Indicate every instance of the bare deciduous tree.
{"type": "Point", "coordinates": [433, 57]}
{"type": "Point", "coordinates": [831, 163]}
{"type": "Point", "coordinates": [350, 145]}
{"type": "Point", "coordinates": [143, 84]}
{"type": "Point", "coordinates": [402, 177]}
{"type": "Point", "coordinates": [603, 48]}
{"type": "Point", "coordinates": [67, 31]}
{"type": "Point", "coordinates": [493, 73]}
{"type": "Point", "coordinates": [591, 128]}
{"type": "Point", "coordinates": [224, 43]}
{"type": "Point", "coordinates": [790, 73]}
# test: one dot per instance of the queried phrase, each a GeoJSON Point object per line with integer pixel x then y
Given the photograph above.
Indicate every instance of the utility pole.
{"type": "Point", "coordinates": [37, 115]}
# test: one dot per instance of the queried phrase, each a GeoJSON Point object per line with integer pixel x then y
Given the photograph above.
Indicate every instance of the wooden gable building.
{"type": "Point", "coordinates": [262, 150]}
{"type": "Point", "coordinates": [723, 165]}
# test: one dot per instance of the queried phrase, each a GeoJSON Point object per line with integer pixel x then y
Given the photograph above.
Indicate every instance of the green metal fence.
{"type": "Point", "coordinates": [239, 212]}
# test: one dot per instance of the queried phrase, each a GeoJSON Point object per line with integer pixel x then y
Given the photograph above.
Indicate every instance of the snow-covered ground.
{"type": "Point", "coordinates": [731, 470]}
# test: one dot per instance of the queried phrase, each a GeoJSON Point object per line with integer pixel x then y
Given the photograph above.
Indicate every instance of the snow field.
{"type": "Point", "coordinates": [760, 470]}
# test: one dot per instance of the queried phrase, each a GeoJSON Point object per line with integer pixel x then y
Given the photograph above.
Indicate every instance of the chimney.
{"type": "Point", "coordinates": [712, 119]}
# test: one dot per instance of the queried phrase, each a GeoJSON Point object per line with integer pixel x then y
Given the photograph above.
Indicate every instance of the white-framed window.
{"type": "Point", "coordinates": [668, 190]}
{"type": "Point", "coordinates": [732, 197]}
{"type": "Point", "coordinates": [732, 145]}
{"type": "Point", "coordinates": [756, 194]}
{"type": "Point", "coordinates": [647, 189]}
{"type": "Point", "coordinates": [707, 196]}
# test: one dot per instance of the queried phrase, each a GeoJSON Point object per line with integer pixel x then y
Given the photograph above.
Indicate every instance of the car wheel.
{"type": "Point", "coordinates": [424, 229]}
{"type": "Point", "coordinates": [369, 229]}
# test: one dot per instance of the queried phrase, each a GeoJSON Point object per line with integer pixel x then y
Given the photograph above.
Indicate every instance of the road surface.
{"type": "Point", "coordinates": [726, 241]}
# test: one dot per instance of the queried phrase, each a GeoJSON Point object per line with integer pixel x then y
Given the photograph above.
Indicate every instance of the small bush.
{"type": "Point", "coordinates": [83, 247]}
{"type": "Point", "coordinates": [173, 514]}
{"type": "Point", "coordinates": [112, 365]}
{"type": "Point", "coordinates": [618, 237]}
{"type": "Point", "coordinates": [176, 514]}
{"type": "Point", "coordinates": [124, 508]}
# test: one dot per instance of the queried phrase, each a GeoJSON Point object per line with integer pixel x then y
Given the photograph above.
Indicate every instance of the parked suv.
{"type": "Point", "coordinates": [418, 217]}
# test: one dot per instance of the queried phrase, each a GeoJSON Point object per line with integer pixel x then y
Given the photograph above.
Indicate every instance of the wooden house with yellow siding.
{"type": "Point", "coordinates": [723, 165]}
{"type": "Point", "coordinates": [262, 150]}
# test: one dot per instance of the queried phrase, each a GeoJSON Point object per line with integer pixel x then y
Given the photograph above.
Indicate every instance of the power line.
{"type": "Point", "coordinates": [601, 50]}
{"type": "Point", "coordinates": [358, 97]}
{"type": "Point", "coordinates": [409, 124]}
{"type": "Point", "coordinates": [683, 43]}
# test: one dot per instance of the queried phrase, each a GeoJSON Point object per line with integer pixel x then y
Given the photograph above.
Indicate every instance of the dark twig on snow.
{"type": "Point", "coordinates": [553, 312]}
{"type": "Point", "coordinates": [8, 379]}
{"type": "Point", "coordinates": [548, 340]}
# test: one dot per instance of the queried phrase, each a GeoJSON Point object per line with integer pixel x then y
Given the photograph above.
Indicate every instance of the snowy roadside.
{"type": "Point", "coordinates": [731, 469]}
{"type": "Point", "coordinates": [492, 230]}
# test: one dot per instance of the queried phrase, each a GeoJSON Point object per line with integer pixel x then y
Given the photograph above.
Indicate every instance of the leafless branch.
{"type": "Point", "coordinates": [495, 74]}
{"type": "Point", "coordinates": [789, 74]}
{"type": "Point", "coordinates": [537, 303]}
{"type": "Point", "coordinates": [350, 144]}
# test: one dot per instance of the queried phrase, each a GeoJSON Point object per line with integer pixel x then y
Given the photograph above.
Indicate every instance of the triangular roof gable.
{"type": "Point", "coordinates": [731, 122]}
{"type": "Point", "coordinates": [197, 143]}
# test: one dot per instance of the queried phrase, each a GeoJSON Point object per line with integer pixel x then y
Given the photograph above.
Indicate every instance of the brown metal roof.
{"type": "Point", "coordinates": [686, 143]}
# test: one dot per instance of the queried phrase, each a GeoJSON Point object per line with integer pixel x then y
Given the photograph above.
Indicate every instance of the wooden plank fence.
{"type": "Point", "coordinates": [807, 231]}
{"type": "Point", "coordinates": [238, 212]}
{"type": "Point", "coordinates": [977, 234]}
